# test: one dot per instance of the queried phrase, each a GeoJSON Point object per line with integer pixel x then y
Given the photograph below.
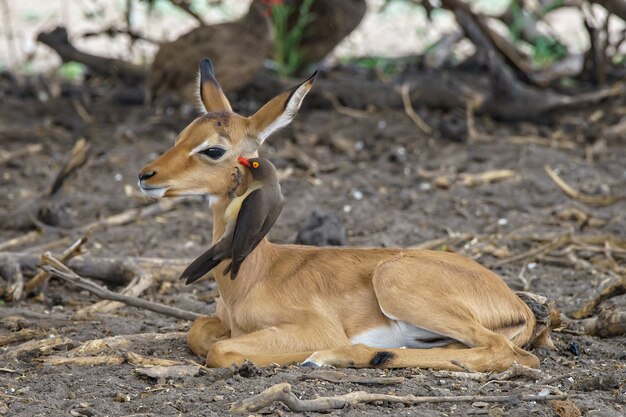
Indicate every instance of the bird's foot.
{"type": "Point", "coordinates": [238, 177]}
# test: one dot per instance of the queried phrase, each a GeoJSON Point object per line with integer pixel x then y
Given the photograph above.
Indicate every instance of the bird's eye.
{"type": "Point", "coordinates": [255, 164]}
{"type": "Point", "coordinates": [214, 152]}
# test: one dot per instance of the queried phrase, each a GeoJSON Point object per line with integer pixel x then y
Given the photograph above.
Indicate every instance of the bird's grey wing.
{"type": "Point", "coordinates": [252, 225]}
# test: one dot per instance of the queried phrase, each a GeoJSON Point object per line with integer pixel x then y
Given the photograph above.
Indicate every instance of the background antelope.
{"type": "Point", "coordinates": [349, 307]}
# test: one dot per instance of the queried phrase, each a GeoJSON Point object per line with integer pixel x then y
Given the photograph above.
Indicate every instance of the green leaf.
{"type": "Point", "coordinates": [72, 71]}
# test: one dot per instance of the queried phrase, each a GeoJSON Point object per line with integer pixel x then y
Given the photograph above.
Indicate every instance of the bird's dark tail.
{"type": "Point", "coordinates": [203, 264]}
{"type": "Point", "coordinates": [234, 269]}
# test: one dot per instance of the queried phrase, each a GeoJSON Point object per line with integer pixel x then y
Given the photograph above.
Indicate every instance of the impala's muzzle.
{"type": "Point", "coordinates": [150, 191]}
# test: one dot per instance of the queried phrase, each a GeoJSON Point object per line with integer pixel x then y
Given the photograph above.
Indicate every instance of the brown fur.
{"type": "Point", "coordinates": [293, 302]}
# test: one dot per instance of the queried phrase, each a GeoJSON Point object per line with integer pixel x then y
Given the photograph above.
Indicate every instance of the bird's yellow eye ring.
{"type": "Point", "coordinates": [255, 165]}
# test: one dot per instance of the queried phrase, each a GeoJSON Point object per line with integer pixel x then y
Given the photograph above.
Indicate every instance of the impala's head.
{"type": "Point", "coordinates": [205, 153]}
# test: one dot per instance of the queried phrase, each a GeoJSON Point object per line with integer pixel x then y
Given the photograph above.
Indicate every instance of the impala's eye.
{"type": "Point", "coordinates": [214, 152]}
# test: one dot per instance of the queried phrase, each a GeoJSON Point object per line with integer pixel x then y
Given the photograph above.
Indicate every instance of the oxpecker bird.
{"type": "Point", "coordinates": [248, 219]}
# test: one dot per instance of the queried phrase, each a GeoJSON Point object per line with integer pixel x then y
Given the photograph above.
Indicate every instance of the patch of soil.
{"type": "Point", "coordinates": [375, 181]}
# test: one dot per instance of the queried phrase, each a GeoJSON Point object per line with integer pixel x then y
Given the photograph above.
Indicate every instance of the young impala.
{"type": "Point", "coordinates": [347, 307]}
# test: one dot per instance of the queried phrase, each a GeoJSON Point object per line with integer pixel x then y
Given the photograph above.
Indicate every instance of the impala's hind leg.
{"type": "Point", "coordinates": [204, 332]}
{"type": "Point", "coordinates": [431, 302]}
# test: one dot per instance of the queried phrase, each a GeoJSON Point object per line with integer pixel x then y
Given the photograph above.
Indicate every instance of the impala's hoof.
{"type": "Point", "coordinates": [310, 362]}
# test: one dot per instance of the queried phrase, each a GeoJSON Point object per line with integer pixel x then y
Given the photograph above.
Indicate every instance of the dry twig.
{"type": "Point", "coordinates": [130, 357]}
{"type": "Point", "coordinates": [41, 346]}
{"type": "Point", "coordinates": [408, 109]}
{"type": "Point", "coordinates": [577, 195]}
{"type": "Point", "coordinates": [19, 336]}
{"type": "Point", "coordinates": [337, 377]}
{"type": "Point", "coordinates": [123, 342]}
{"type": "Point", "coordinates": [42, 277]}
{"type": "Point", "coordinates": [28, 237]}
{"type": "Point", "coordinates": [135, 288]}
{"type": "Point", "coordinates": [487, 177]}
{"type": "Point", "coordinates": [84, 360]}
{"type": "Point", "coordinates": [58, 269]}
{"type": "Point", "coordinates": [615, 287]}
{"type": "Point", "coordinates": [282, 392]}
{"type": "Point", "coordinates": [611, 322]}
{"type": "Point", "coordinates": [19, 153]}
{"type": "Point", "coordinates": [534, 253]}
{"type": "Point", "coordinates": [345, 110]}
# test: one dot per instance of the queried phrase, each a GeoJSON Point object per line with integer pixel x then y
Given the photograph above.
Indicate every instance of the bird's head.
{"type": "Point", "coordinates": [260, 168]}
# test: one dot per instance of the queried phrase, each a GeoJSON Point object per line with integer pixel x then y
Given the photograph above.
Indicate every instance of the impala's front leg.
{"type": "Point", "coordinates": [283, 345]}
{"type": "Point", "coordinates": [204, 332]}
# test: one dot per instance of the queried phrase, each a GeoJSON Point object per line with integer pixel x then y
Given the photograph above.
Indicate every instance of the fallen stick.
{"type": "Point", "coordinates": [28, 237]}
{"type": "Point", "coordinates": [84, 360]}
{"type": "Point", "coordinates": [577, 195]}
{"type": "Point", "coordinates": [40, 346]}
{"type": "Point", "coordinates": [113, 271]}
{"type": "Point", "coordinates": [58, 269]}
{"type": "Point", "coordinates": [26, 151]}
{"type": "Point", "coordinates": [341, 109]}
{"type": "Point", "coordinates": [169, 372]}
{"type": "Point", "coordinates": [136, 359]}
{"type": "Point", "coordinates": [533, 253]}
{"type": "Point", "coordinates": [282, 392]}
{"type": "Point", "coordinates": [58, 40]}
{"type": "Point", "coordinates": [78, 157]}
{"type": "Point", "coordinates": [473, 376]}
{"type": "Point", "coordinates": [443, 241]}
{"type": "Point", "coordinates": [42, 277]}
{"type": "Point", "coordinates": [408, 109]}
{"type": "Point", "coordinates": [611, 322]}
{"type": "Point", "coordinates": [130, 357]}
{"type": "Point", "coordinates": [337, 377]}
{"type": "Point", "coordinates": [123, 342]}
{"type": "Point", "coordinates": [20, 336]}
{"type": "Point", "coordinates": [615, 287]}
{"type": "Point", "coordinates": [517, 370]}
{"type": "Point", "coordinates": [487, 177]}
{"type": "Point", "coordinates": [135, 288]}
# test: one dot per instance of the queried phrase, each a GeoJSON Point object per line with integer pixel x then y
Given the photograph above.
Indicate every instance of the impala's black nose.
{"type": "Point", "coordinates": [146, 175]}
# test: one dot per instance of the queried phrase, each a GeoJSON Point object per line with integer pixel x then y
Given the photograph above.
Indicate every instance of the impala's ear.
{"type": "Point", "coordinates": [279, 111]}
{"type": "Point", "coordinates": [211, 94]}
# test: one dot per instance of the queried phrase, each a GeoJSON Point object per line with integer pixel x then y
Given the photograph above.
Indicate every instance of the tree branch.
{"type": "Point", "coordinates": [56, 268]}
{"type": "Point", "coordinates": [282, 392]}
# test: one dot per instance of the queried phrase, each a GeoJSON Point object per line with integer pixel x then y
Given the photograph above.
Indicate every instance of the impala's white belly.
{"type": "Point", "coordinates": [399, 334]}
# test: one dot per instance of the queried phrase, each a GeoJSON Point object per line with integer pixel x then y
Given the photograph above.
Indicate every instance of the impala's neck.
{"type": "Point", "coordinates": [220, 202]}
{"type": "Point", "coordinates": [257, 260]}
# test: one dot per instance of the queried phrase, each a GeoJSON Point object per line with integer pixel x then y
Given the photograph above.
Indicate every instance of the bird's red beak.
{"type": "Point", "coordinates": [243, 161]}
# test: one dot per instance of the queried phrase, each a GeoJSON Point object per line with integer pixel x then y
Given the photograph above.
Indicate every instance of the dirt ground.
{"type": "Point", "coordinates": [377, 175]}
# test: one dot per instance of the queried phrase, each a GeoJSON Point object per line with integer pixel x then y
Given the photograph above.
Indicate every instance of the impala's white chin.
{"type": "Point", "coordinates": [153, 192]}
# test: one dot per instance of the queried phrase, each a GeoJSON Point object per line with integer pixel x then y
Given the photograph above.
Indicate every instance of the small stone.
{"type": "Point", "coordinates": [480, 404]}
{"type": "Point", "coordinates": [218, 398]}
{"type": "Point", "coordinates": [442, 182]}
{"type": "Point", "coordinates": [425, 186]}
{"type": "Point", "coordinates": [496, 412]}
{"type": "Point", "coordinates": [161, 381]}
{"type": "Point", "coordinates": [121, 398]}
